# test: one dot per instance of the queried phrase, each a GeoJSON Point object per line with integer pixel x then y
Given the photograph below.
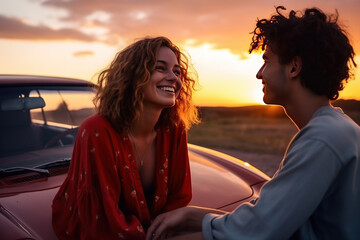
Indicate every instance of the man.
{"type": "Point", "coordinates": [316, 192]}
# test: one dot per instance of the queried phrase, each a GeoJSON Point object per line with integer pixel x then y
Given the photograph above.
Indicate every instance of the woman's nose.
{"type": "Point", "coordinates": [172, 76]}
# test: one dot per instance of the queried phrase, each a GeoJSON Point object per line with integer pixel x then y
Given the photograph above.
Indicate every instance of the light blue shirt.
{"type": "Point", "coordinates": [314, 195]}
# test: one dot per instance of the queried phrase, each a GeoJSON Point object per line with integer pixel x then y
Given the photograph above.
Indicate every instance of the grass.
{"type": "Point", "coordinates": [247, 134]}
{"type": "Point", "coordinates": [254, 129]}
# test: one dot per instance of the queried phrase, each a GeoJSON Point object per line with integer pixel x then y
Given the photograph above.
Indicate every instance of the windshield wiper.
{"type": "Point", "coordinates": [23, 169]}
{"type": "Point", "coordinates": [42, 169]}
{"type": "Point", "coordinates": [60, 162]}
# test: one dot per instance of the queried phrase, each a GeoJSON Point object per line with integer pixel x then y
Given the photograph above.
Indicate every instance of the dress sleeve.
{"type": "Point", "coordinates": [179, 186]}
{"type": "Point", "coordinates": [91, 207]}
{"type": "Point", "coordinates": [288, 199]}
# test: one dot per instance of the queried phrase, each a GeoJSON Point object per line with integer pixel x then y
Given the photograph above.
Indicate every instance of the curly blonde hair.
{"type": "Point", "coordinates": [119, 96]}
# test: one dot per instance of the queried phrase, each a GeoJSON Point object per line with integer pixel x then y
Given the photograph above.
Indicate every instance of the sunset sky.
{"type": "Point", "coordinates": [79, 38]}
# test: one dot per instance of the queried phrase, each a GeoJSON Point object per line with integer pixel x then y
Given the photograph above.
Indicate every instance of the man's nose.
{"type": "Point", "coordinates": [259, 73]}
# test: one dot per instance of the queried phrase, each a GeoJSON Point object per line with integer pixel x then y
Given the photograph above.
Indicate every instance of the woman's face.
{"type": "Point", "coordinates": [165, 83]}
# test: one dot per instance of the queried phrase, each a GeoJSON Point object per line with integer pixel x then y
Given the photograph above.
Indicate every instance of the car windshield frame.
{"type": "Point", "coordinates": [21, 104]}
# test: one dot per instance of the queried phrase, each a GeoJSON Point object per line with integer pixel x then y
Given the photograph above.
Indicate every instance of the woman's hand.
{"type": "Point", "coordinates": [167, 224]}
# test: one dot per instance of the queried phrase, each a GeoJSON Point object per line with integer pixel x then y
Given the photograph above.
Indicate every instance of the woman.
{"type": "Point", "coordinates": [130, 161]}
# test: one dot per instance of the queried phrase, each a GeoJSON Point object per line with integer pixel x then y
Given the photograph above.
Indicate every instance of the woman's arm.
{"type": "Point", "coordinates": [192, 236]}
{"type": "Point", "coordinates": [179, 178]}
{"type": "Point", "coordinates": [87, 203]}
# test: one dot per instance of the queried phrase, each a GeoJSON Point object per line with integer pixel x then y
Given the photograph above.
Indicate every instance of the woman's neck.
{"type": "Point", "coordinates": [144, 125]}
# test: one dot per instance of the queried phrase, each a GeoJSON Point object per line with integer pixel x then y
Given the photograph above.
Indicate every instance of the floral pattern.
{"type": "Point", "coordinates": [103, 184]}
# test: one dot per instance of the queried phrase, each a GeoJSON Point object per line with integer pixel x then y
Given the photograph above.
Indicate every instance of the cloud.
{"type": "Point", "coordinates": [223, 24]}
{"type": "Point", "coordinates": [83, 53]}
{"type": "Point", "coordinates": [12, 28]}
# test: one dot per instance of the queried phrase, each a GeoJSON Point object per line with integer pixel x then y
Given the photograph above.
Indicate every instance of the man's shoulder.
{"type": "Point", "coordinates": [333, 127]}
{"type": "Point", "coordinates": [332, 121]}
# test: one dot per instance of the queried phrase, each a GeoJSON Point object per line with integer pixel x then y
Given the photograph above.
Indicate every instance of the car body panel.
{"type": "Point", "coordinates": [25, 80]}
{"type": "Point", "coordinates": [218, 180]}
{"type": "Point", "coordinates": [29, 201]}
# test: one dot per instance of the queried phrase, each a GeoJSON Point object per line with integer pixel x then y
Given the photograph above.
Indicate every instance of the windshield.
{"type": "Point", "coordinates": [38, 125]}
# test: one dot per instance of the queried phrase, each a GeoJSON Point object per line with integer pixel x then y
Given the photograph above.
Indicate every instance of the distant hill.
{"type": "Point", "coordinates": [350, 107]}
{"type": "Point", "coordinates": [250, 111]}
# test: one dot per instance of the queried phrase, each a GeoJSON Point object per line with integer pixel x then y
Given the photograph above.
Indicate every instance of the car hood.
{"type": "Point", "coordinates": [25, 200]}
{"type": "Point", "coordinates": [25, 209]}
{"type": "Point", "coordinates": [215, 186]}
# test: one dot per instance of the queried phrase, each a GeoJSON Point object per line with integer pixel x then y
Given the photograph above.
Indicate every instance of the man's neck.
{"type": "Point", "coordinates": [300, 112]}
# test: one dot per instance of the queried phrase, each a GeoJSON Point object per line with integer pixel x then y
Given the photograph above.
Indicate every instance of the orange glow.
{"type": "Point", "coordinates": [79, 44]}
{"type": "Point", "coordinates": [225, 79]}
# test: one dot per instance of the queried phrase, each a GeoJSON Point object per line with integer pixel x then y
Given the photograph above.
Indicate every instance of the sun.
{"type": "Point", "coordinates": [226, 79]}
{"type": "Point", "coordinates": [258, 95]}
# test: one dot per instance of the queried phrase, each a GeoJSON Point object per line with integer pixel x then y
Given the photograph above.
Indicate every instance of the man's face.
{"type": "Point", "coordinates": [274, 79]}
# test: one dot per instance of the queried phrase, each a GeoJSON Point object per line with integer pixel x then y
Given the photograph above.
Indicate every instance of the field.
{"type": "Point", "coordinates": [256, 134]}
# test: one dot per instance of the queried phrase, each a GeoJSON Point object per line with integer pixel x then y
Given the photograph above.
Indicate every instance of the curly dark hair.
{"type": "Point", "coordinates": [317, 39]}
{"type": "Point", "coordinates": [120, 97]}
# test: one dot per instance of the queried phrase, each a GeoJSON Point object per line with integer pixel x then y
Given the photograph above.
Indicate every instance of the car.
{"type": "Point", "coordinates": [39, 118]}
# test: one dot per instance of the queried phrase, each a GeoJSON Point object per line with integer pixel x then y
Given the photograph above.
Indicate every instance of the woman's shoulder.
{"type": "Point", "coordinates": [172, 128]}
{"type": "Point", "coordinates": [96, 122]}
{"type": "Point", "coordinates": [172, 132]}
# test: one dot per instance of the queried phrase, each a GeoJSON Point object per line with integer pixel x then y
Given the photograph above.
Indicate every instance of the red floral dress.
{"type": "Point", "coordinates": [102, 196]}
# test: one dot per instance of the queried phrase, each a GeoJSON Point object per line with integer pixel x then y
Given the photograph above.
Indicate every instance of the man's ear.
{"type": "Point", "coordinates": [295, 66]}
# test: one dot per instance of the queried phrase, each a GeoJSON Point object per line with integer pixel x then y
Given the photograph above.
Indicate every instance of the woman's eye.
{"type": "Point", "coordinates": [177, 72]}
{"type": "Point", "coordinates": [160, 68]}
